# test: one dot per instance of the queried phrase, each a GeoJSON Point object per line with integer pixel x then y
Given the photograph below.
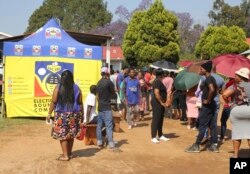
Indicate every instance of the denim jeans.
{"type": "Point", "coordinates": [208, 118]}
{"type": "Point", "coordinates": [106, 118]}
{"type": "Point", "coordinates": [224, 117]}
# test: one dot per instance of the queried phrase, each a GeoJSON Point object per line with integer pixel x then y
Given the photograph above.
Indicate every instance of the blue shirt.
{"type": "Point", "coordinates": [132, 90]}
{"type": "Point", "coordinates": [75, 107]}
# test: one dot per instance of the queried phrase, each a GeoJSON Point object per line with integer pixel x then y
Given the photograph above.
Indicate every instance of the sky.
{"type": "Point", "coordinates": [14, 14]}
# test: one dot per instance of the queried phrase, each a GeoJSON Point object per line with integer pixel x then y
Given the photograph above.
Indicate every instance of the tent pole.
{"type": "Point", "coordinates": [3, 115]}
{"type": "Point", "coordinates": [108, 53]}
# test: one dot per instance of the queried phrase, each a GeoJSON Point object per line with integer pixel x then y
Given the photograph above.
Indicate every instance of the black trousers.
{"type": "Point", "coordinates": [207, 118]}
{"type": "Point", "coordinates": [157, 120]}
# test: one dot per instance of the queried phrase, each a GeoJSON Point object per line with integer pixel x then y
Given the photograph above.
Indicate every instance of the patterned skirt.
{"type": "Point", "coordinates": [66, 125]}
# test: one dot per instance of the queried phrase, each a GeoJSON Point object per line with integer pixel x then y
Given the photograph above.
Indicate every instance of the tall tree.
{"type": "Point", "coordinates": [151, 35]}
{"type": "Point", "coordinates": [224, 14]}
{"type": "Point", "coordinates": [125, 15]}
{"type": "Point", "coordinates": [219, 40]}
{"type": "Point", "coordinates": [189, 35]}
{"type": "Point", "coordinates": [245, 8]}
{"type": "Point", "coordinates": [115, 29]}
{"type": "Point", "coordinates": [118, 27]}
{"type": "Point", "coordinates": [77, 15]}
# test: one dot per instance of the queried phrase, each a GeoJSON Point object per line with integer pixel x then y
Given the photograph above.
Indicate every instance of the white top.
{"type": "Point", "coordinates": [90, 101]}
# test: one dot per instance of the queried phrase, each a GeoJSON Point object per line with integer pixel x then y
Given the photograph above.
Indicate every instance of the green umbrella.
{"type": "Point", "coordinates": [186, 80]}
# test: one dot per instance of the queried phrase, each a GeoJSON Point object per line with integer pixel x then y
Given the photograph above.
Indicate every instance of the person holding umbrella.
{"type": "Point", "coordinates": [207, 115]}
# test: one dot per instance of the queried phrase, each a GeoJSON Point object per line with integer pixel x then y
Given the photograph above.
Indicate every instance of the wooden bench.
{"type": "Point", "coordinates": [90, 135]}
{"type": "Point", "coordinates": [117, 118]}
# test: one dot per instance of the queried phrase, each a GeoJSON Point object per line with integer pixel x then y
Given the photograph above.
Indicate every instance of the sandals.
{"type": "Point", "coordinates": [62, 158]}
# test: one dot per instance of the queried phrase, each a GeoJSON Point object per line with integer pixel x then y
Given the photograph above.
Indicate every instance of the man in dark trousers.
{"type": "Point", "coordinates": [207, 116]}
{"type": "Point", "coordinates": [105, 89]}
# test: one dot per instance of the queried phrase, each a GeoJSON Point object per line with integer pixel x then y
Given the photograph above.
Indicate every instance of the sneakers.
{"type": "Point", "coordinates": [114, 149]}
{"type": "Point", "coordinates": [99, 147]}
{"type": "Point", "coordinates": [163, 138]}
{"type": "Point", "coordinates": [154, 140]}
{"type": "Point", "coordinates": [193, 149]}
{"type": "Point", "coordinates": [129, 127]}
{"type": "Point", "coordinates": [134, 124]}
{"type": "Point", "coordinates": [213, 148]}
{"type": "Point", "coordinates": [189, 127]}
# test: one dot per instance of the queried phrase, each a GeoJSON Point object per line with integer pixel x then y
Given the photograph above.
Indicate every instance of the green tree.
{"type": "Point", "coordinates": [77, 15]}
{"type": "Point", "coordinates": [220, 40]}
{"type": "Point", "coordinates": [224, 14]}
{"type": "Point", "coordinates": [245, 8]}
{"type": "Point", "coordinates": [151, 35]}
{"type": "Point", "coordinates": [189, 35]}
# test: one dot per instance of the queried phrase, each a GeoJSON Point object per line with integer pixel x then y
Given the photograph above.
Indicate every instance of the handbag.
{"type": "Point", "coordinates": [82, 133]}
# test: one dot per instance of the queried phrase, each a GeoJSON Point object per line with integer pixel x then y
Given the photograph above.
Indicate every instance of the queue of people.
{"type": "Point", "coordinates": [140, 92]}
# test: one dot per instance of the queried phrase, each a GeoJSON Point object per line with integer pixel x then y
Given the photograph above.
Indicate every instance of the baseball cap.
{"type": "Point", "coordinates": [105, 70]}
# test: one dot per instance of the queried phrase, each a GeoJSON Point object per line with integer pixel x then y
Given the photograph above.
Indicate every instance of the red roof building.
{"type": "Point", "coordinates": [116, 56]}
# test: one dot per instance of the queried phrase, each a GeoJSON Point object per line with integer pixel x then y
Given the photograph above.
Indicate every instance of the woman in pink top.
{"type": "Point", "coordinates": [192, 110]}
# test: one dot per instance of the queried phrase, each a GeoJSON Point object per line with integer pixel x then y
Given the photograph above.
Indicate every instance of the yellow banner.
{"type": "Point", "coordinates": [30, 81]}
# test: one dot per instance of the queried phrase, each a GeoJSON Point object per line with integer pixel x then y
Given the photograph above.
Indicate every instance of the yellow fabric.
{"type": "Point", "coordinates": [25, 99]}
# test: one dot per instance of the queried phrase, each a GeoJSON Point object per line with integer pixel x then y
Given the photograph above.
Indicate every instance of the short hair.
{"type": "Point", "coordinates": [125, 67]}
{"type": "Point", "coordinates": [112, 71]}
{"type": "Point", "coordinates": [159, 72]}
{"type": "Point", "coordinates": [92, 89]}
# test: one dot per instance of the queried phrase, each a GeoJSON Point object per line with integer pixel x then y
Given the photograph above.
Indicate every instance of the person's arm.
{"type": "Point", "coordinates": [90, 102]}
{"type": "Point", "coordinates": [81, 105]}
{"type": "Point", "coordinates": [158, 97]}
{"type": "Point", "coordinates": [156, 91]}
{"type": "Point", "coordinates": [211, 92]}
{"type": "Point", "coordinates": [89, 108]}
{"type": "Point", "coordinates": [53, 102]}
{"type": "Point", "coordinates": [151, 81]}
{"type": "Point", "coordinates": [198, 90]}
{"type": "Point", "coordinates": [112, 88]}
{"type": "Point", "coordinates": [227, 93]}
{"type": "Point", "coordinates": [124, 86]}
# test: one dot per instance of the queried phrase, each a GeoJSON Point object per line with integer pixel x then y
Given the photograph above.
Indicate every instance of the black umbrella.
{"type": "Point", "coordinates": [165, 65]}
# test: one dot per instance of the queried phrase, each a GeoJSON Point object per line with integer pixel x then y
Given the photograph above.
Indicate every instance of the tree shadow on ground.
{"type": "Point", "coordinates": [86, 152]}
{"type": "Point", "coordinates": [121, 142]}
{"type": "Point", "coordinates": [120, 131]}
{"type": "Point", "coordinates": [184, 123]}
{"type": "Point", "coordinates": [141, 124]}
{"type": "Point", "coordinates": [147, 118]}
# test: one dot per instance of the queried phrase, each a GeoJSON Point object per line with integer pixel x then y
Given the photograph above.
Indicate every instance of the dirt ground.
{"type": "Point", "coordinates": [30, 149]}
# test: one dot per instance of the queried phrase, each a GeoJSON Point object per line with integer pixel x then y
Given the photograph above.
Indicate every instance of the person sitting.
{"type": "Point", "coordinates": [90, 116]}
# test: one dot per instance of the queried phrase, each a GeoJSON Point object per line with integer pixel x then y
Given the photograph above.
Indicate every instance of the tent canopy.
{"type": "Point", "coordinates": [52, 40]}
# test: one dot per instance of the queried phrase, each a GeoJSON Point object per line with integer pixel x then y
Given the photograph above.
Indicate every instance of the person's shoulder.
{"type": "Point", "coordinates": [91, 96]}
{"type": "Point", "coordinates": [157, 82]}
